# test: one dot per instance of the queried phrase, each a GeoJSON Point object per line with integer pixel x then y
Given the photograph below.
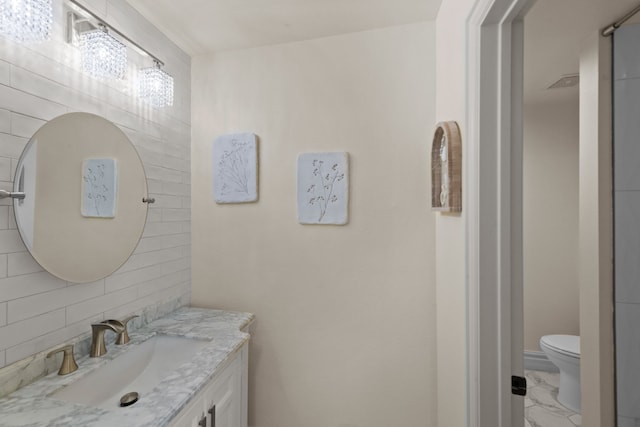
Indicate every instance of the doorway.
{"type": "Point", "coordinates": [550, 166]}
{"type": "Point", "coordinates": [494, 229]}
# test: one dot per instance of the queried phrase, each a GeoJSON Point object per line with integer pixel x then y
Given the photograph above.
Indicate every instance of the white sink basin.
{"type": "Point", "coordinates": [139, 369]}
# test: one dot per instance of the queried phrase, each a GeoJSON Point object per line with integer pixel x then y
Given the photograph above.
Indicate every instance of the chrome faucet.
{"type": "Point", "coordinates": [98, 347]}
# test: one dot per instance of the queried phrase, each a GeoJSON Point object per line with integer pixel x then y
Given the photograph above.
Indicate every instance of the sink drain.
{"type": "Point", "coordinates": [129, 399]}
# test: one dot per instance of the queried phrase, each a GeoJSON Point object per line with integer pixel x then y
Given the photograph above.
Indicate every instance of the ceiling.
{"type": "Point", "coordinates": [554, 29]}
{"type": "Point", "coordinates": [554, 33]}
{"type": "Point", "coordinates": [204, 26]}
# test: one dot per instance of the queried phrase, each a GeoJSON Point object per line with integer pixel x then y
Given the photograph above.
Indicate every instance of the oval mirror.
{"type": "Point", "coordinates": [83, 213]}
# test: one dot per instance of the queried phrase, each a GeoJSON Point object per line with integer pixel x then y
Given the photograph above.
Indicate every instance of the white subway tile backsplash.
{"type": "Point", "coordinates": [5, 73]}
{"type": "Point", "coordinates": [153, 286]}
{"type": "Point", "coordinates": [22, 263]}
{"type": "Point", "coordinates": [25, 126]}
{"type": "Point", "coordinates": [176, 150]}
{"type": "Point", "coordinates": [150, 157]}
{"type": "Point", "coordinates": [176, 189]}
{"type": "Point", "coordinates": [28, 284]}
{"type": "Point", "coordinates": [53, 339]}
{"type": "Point", "coordinates": [176, 215]}
{"type": "Point", "coordinates": [20, 332]}
{"type": "Point", "coordinates": [11, 146]}
{"type": "Point", "coordinates": [33, 83]}
{"type": "Point", "coordinates": [5, 121]}
{"type": "Point", "coordinates": [10, 241]}
{"type": "Point", "coordinates": [4, 217]}
{"type": "Point", "coordinates": [176, 163]}
{"type": "Point", "coordinates": [6, 201]}
{"type": "Point", "coordinates": [166, 201]}
{"type": "Point", "coordinates": [3, 266]}
{"type": "Point", "coordinates": [5, 169]}
{"type": "Point", "coordinates": [176, 265]}
{"type": "Point", "coordinates": [119, 280]}
{"type": "Point", "coordinates": [174, 240]}
{"type": "Point", "coordinates": [12, 219]}
{"type": "Point", "coordinates": [186, 203]}
{"type": "Point", "coordinates": [40, 82]}
{"type": "Point", "coordinates": [162, 228]}
{"type": "Point", "coordinates": [3, 314]}
{"type": "Point", "coordinates": [162, 174]}
{"type": "Point", "coordinates": [30, 105]}
{"type": "Point", "coordinates": [24, 308]}
{"type": "Point", "coordinates": [148, 259]}
{"type": "Point", "coordinates": [154, 186]}
{"type": "Point", "coordinates": [154, 215]}
{"type": "Point", "coordinates": [94, 307]}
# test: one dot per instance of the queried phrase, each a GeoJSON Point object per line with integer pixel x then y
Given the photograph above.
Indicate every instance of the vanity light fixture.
{"type": "Point", "coordinates": [156, 86]}
{"type": "Point", "coordinates": [26, 21]}
{"type": "Point", "coordinates": [103, 56]}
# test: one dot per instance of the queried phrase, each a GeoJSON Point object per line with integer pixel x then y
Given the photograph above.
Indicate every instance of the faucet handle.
{"type": "Point", "coordinates": [68, 362]}
{"type": "Point", "coordinates": [123, 337]}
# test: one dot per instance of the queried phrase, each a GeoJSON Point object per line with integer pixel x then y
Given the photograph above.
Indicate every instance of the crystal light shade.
{"type": "Point", "coordinates": [26, 21]}
{"type": "Point", "coordinates": [102, 55]}
{"type": "Point", "coordinates": [156, 86]}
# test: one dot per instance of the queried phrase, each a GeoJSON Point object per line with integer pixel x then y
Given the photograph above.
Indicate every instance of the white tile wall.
{"type": "Point", "coordinates": [627, 353]}
{"type": "Point", "coordinates": [628, 422]}
{"type": "Point", "coordinates": [3, 266]}
{"type": "Point", "coordinates": [626, 65]}
{"type": "Point", "coordinates": [627, 246]}
{"type": "Point", "coordinates": [40, 82]}
{"type": "Point", "coordinates": [627, 223]}
{"type": "Point", "coordinates": [627, 136]}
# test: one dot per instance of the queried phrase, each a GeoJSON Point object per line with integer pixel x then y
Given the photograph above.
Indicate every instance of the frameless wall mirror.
{"type": "Point", "coordinates": [84, 209]}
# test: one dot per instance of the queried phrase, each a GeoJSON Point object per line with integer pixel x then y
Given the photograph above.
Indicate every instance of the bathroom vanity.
{"type": "Point", "coordinates": [209, 389]}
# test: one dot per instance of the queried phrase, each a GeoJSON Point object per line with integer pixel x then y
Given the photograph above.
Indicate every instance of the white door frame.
{"type": "Point", "coordinates": [493, 182]}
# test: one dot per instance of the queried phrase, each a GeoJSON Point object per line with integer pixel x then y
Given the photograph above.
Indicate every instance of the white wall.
{"type": "Point", "coordinates": [345, 330]}
{"type": "Point", "coordinates": [550, 223]}
{"type": "Point", "coordinates": [450, 229]}
{"type": "Point", "coordinates": [596, 234]}
{"type": "Point", "coordinates": [40, 82]}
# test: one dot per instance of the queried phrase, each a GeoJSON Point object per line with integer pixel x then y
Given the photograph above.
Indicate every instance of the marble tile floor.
{"type": "Point", "coordinates": [541, 409]}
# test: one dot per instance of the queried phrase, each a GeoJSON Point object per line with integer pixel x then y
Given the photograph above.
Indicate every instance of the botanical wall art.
{"type": "Point", "coordinates": [235, 164]}
{"type": "Point", "coordinates": [99, 187]}
{"type": "Point", "coordinates": [323, 188]}
{"type": "Point", "coordinates": [446, 168]}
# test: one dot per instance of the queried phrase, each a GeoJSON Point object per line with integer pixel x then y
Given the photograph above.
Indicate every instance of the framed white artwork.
{"type": "Point", "coordinates": [235, 167]}
{"type": "Point", "coordinates": [99, 188]}
{"type": "Point", "coordinates": [323, 188]}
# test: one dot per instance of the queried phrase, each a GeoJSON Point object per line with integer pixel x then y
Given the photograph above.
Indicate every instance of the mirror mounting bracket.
{"type": "Point", "coordinates": [13, 194]}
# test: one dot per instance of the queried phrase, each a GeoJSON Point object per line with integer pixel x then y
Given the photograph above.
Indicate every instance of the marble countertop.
{"type": "Point", "coordinates": [32, 406]}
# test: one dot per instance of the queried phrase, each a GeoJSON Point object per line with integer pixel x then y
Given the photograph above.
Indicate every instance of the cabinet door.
{"type": "Point", "coordinates": [223, 399]}
{"type": "Point", "coordinates": [191, 415]}
{"type": "Point", "coordinates": [221, 402]}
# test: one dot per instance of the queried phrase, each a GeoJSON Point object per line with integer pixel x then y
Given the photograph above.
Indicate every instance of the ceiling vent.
{"type": "Point", "coordinates": [569, 80]}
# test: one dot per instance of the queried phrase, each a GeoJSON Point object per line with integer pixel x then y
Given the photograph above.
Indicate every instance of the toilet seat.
{"type": "Point", "coordinates": [568, 345]}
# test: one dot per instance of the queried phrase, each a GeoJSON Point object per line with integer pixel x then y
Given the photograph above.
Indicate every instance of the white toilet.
{"type": "Point", "coordinates": [564, 352]}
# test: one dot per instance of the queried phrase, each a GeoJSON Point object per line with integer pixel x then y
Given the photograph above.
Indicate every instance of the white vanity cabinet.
{"type": "Point", "coordinates": [222, 402]}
